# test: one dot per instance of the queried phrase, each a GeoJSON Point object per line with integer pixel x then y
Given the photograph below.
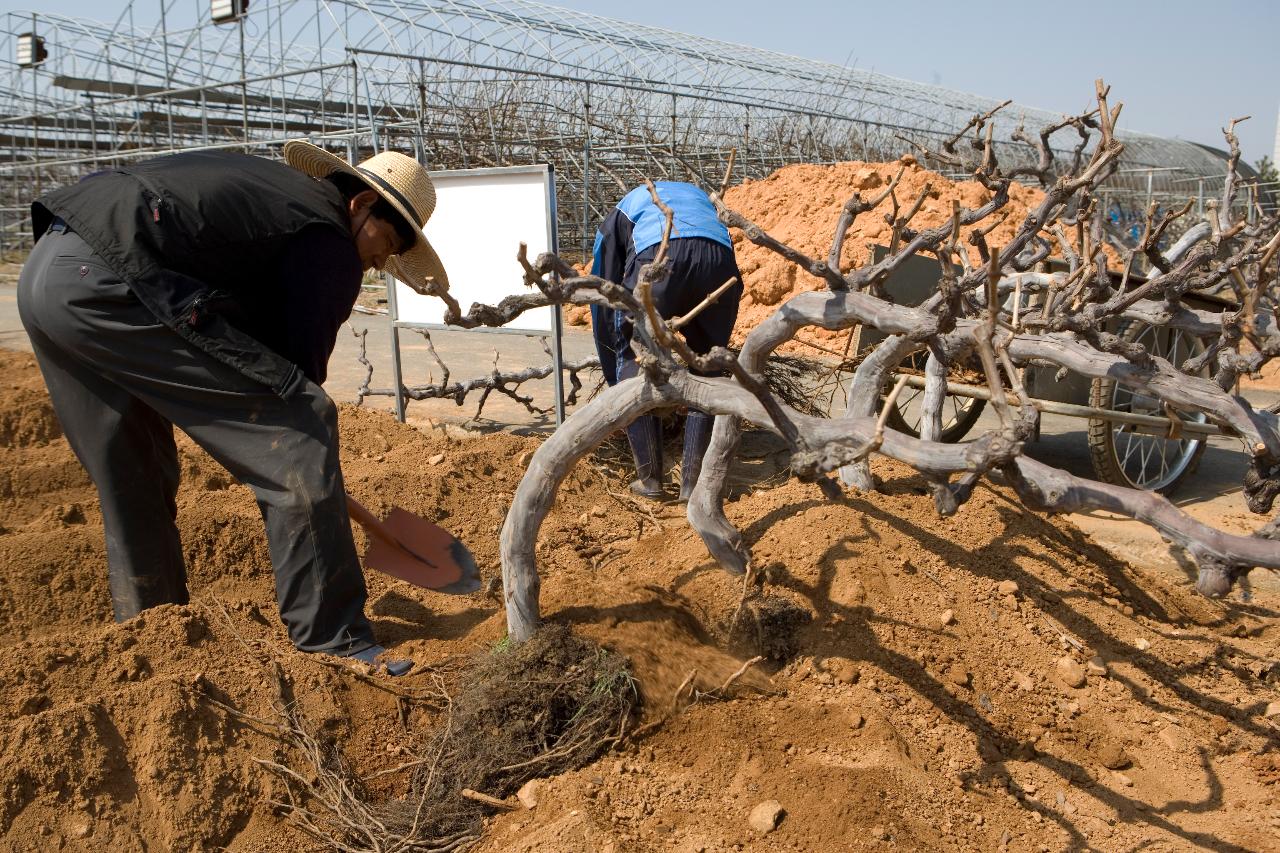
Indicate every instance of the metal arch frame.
{"type": "Point", "coordinates": [508, 86]}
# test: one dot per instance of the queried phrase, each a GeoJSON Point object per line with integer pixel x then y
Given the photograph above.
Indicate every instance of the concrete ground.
{"type": "Point", "coordinates": [1212, 494]}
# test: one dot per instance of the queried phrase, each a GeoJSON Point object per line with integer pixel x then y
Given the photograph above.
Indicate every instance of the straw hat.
{"type": "Point", "coordinates": [405, 185]}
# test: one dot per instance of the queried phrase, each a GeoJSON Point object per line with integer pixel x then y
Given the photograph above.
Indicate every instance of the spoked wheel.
{"type": "Point", "coordinates": [959, 414]}
{"type": "Point", "coordinates": [1137, 456]}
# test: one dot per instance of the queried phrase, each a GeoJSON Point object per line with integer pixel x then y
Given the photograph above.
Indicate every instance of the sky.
{"type": "Point", "coordinates": [1183, 69]}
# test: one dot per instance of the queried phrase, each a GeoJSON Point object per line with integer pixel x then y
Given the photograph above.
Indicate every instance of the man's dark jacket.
{"type": "Point", "coordinates": [191, 232]}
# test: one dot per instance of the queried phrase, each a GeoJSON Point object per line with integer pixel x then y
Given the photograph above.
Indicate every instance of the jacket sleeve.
{"type": "Point", "coordinates": [320, 280]}
{"type": "Point", "coordinates": [613, 244]}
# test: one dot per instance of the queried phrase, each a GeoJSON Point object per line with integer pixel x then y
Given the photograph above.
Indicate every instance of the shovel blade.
{"type": "Point", "coordinates": [431, 557]}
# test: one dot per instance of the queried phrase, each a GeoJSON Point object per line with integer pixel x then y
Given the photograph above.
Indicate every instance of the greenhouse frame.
{"type": "Point", "coordinates": [463, 84]}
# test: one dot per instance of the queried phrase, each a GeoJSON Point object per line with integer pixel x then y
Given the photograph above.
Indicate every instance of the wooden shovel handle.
{"type": "Point", "coordinates": [360, 515]}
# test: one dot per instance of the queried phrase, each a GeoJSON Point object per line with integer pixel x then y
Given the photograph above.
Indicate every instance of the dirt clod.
{"type": "Point", "coordinates": [528, 793]}
{"type": "Point", "coordinates": [764, 818]}
{"type": "Point", "coordinates": [1070, 672]}
{"type": "Point", "coordinates": [1112, 756]}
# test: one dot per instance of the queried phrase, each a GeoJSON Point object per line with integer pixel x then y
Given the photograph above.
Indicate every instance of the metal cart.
{"type": "Point", "coordinates": [1132, 439]}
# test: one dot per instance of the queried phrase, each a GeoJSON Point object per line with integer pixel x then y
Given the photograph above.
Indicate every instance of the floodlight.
{"type": "Point", "coordinates": [31, 50]}
{"type": "Point", "coordinates": [224, 11]}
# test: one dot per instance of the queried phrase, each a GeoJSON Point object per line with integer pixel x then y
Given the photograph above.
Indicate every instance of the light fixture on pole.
{"type": "Point", "coordinates": [226, 11]}
{"type": "Point", "coordinates": [31, 51]}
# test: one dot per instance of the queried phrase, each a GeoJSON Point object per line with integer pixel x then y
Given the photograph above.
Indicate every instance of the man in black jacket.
{"type": "Point", "coordinates": [206, 290]}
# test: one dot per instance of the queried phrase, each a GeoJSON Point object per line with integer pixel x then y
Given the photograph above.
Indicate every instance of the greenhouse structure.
{"type": "Point", "coordinates": [461, 84]}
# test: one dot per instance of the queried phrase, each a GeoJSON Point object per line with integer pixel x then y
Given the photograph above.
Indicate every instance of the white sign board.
{"type": "Point", "coordinates": [481, 218]}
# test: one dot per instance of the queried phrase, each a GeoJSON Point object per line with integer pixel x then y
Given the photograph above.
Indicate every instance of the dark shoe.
{"type": "Point", "coordinates": [651, 489]}
{"type": "Point", "coordinates": [371, 656]}
{"type": "Point", "coordinates": [697, 438]}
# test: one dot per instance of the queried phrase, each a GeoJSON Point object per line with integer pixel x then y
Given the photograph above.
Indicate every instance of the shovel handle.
{"type": "Point", "coordinates": [361, 515]}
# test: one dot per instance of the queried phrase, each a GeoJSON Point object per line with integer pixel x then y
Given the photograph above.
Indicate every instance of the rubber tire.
{"type": "Point", "coordinates": [1102, 450]}
{"type": "Point", "coordinates": [950, 434]}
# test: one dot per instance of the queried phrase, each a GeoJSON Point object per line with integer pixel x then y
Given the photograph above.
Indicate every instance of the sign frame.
{"type": "Point", "coordinates": [557, 320]}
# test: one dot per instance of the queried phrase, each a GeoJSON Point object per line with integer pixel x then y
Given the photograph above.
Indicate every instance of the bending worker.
{"type": "Point", "coordinates": [206, 290]}
{"type": "Point", "coordinates": [701, 259]}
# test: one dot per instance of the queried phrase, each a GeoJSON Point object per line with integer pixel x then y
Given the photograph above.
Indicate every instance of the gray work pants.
{"type": "Point", "coordinates": [120, 380]}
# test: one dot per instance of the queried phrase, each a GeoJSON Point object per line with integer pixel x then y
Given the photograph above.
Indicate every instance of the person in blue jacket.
{"type": "Point", "coordinates": [700, 254]}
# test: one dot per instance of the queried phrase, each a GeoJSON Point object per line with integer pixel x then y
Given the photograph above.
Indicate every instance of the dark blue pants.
{"type": "Point", "coordinates": [120, 380]}
{"type": "Point", "coordinates": [698, 267]}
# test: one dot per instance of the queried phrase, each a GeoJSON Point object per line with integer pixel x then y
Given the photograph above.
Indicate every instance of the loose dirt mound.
{"type": "Point", "coordinates": [887, 719]}
{"type": "Point", "coordinates": [800, 204]}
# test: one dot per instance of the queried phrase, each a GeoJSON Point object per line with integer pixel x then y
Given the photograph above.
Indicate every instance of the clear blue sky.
{"type": "Point", "coordinates": [1183, 69]}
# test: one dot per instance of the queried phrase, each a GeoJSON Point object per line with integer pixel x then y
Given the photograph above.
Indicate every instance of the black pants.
{"type": "Point", "coordinates": [698, 267]}
{"type": "Point", "coordinates": [120, 380]}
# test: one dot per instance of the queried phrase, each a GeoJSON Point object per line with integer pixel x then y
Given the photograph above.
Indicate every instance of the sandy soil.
{"type": "Point", "coordinates": [923, 698]}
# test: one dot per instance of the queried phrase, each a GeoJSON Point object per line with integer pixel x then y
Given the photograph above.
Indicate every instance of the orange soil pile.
{"type": "Point", "coordinates": [920, 701]}
{"type": "Point", "coordinates": [800, 205]}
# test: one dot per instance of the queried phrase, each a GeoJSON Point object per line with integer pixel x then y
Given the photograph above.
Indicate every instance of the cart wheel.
{"type": "Point", "coordinates": [959, 414]}
{"type": "Point", "coordinates": [1124, 456]}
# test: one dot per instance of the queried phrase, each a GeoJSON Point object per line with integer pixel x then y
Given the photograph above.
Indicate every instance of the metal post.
{"type": "Point", "coordinates": [1200, 197]}
{"type": "Point", "coordinates": [204, 75]}
{"type": "Point", "coordinates": [35, 120]}
{"type": "Point", "coordinates": [168, 71]}
{"type": "Point", "coordinates": [93, 128]}
{"type": "Point", "coordinates": [673, 135]}
{"type": "Point", "coordinates": [284, 93]}
{"type": "Point", "coordinates": [244, 87]}
{"type": "Point", "coordinates": [355, 112]}
{"type": "Point", "coordinates": [1150, 183]}
{"type": "Point", "coordinates": [422, 112]}
{"type": "Point", "coordinates": [397, 370]}
{"type": "Point", "coordinates": [557, 321]}
{"type": "Point", "coordinates": [586, 174]}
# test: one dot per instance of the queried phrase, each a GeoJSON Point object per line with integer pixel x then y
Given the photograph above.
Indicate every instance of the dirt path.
{"type": "Point", "coordinates": [910, 696]}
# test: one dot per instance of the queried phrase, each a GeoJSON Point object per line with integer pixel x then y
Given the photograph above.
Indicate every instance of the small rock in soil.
{"type": "Point", "coordinates": [1273, 710]}
{"type": "Point", "coordinates": [1124, 780]}
{"type": "Point", "coordinates": [528, 793]}
{"type": "Point", "coordinates": [1172, 737]}
{"type": "Point", "coordinates": [1113, 756]}
{"type": "Point", "coordinates": [948, 617]}
{"type": "Point", "coordinates": [1096, 666]}
{"type": "Point", "coordinates": [1142, 644]}
{"type": "Point", "coordinates": [959, 676]}
{"type": "Point", "coordinates": [1070, 673]}
{"type": "Point", "coordinates": [436, 460]}
{"type": "Point", "coordinates": [845, 671]}
{"type": "Point", "coordinates": [1007, 588]}
{"type": "Point", "coordinates": [855, 720]}
{"type": "Point", "coordinates": [765, 817]}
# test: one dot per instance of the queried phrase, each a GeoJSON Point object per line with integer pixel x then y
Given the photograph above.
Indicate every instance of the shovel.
{"type": "Point", "coordinates": [408, 547]}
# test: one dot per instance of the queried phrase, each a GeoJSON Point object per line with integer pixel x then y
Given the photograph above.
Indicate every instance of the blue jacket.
{"type": "Point", "coordinates": [636, 224]}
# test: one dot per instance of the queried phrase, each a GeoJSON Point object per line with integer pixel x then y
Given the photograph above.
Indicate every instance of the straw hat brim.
{"type": "Point", "coordinates": [415, 267]}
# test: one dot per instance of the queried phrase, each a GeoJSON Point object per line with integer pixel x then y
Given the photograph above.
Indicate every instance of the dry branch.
{"type": "Point", "coordinates": [1073, 326]}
